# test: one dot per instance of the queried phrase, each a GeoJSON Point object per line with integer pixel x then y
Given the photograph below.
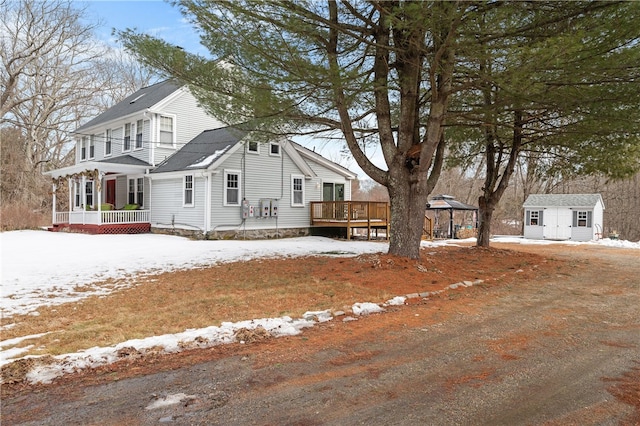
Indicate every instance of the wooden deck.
{"type": "Point", "coordinates": [369, 215]}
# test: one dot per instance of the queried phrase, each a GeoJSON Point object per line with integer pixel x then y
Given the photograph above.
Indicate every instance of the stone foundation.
{"type": "Point", "coordinates": [248, 234]}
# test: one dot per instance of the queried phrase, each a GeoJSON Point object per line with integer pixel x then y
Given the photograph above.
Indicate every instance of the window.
{"type": "Point", "coordinates": [253, 147]}
{"type": "Point", "coordinates": [136, 191]}
{"type": "Point", "coordinates": [127, 137]}
{"type": "Point", "coordinates": [107, 142]}
{"type": "Point", "coordinates": [92, 146]}
{"type": "Point", "coordinates": [89, 193]}
{"type": "Point", "coordinates": [297, 191]}
{"type": "Point", "coordinates": [166, 130]}
{"type": "Point", "coordinates": [232, 188]}
{"type": "Point", "coordinates": [77, 196]}
{"type": "Point", "coordinates": [132, 192]}
{"type": "Point", "coordinates": [332, 191]}
{"type": "Point", "coordinates": [139, 134]}
{"type": "Point", "coordinates": [83, 148]}
{"type": "Point", "coordinates": [534, 218]}
{"type": "Point", "coordinates": [274, 149]}
{"type": "Point", "coordinates": [188, 191]}
{"type": "Point", "coordinates": [582, 219]}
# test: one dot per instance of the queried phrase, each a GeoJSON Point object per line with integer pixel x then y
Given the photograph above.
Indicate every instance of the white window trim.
{"type": "Point", "coordinates": [279, 154]}
{"type": "Point", "coordinates": [257, 151]}
{"type": "Point", "coordinates": [135, 178]}
{"type": "Point", "coordinates": [302, 179]}
{"type": "Point", "coordinates": [90, 184]}
{"type": "Point", "coordinates": [135, 140]}
{"type": "Point", "coordinates": [92, 144]}
{"type": "Point", "coordinates": [224, 187]}
{"type": "Point", "coordinates": [193, 190]}
{"type": "Point", "coordinates": [108, 136]}
{"type": "Point", "coordinates": [83, 148]}
{"type": "Point", "coordinates": [173, 133]}
{"type": "Point", "coordinates": [124, 136]}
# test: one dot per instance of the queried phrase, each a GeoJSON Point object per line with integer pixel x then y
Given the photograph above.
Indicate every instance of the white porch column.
{"type": "Point", "coordinates": [83, 195]}
{"type": "Point", "coordinates": [98, 185]}
{"type": "Point", "coordinates": [53, 207]}
{"type": "Point", "coordinates": [70, 185]}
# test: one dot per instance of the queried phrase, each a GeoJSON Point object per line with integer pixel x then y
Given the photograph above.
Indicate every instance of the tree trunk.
{"type": "Point", "coordinates": [408, 204]}
{"type": "Point", "coordinates": [485, 214]}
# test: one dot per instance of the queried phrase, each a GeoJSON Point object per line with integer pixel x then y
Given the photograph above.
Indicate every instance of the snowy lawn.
{"type": "Point", "coordinates": [46, 268]}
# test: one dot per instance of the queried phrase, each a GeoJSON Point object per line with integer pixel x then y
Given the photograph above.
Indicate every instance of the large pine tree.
{"type": "Point", "coordinates": [381, 72]}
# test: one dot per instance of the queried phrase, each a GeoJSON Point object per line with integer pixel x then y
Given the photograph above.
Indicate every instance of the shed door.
{"type": "Point", "coordinates": [557, 224]}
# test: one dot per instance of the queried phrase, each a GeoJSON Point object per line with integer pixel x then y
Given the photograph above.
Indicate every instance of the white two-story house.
{"type": "Point", "coordinates": [158, 161]}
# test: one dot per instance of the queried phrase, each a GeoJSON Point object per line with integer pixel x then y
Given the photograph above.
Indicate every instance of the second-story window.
{"type": "Point", "coordinates": [127, 137]}
{"type": "Point", "coordinates": [83, 148]}
{"type": "Point", "coordinates": [166, 130]}
{"type": "Point", "coordinates": [139, 134]}
{"type": "Point", "coordinates": [107, 142]}
{"type": "Point", "coordinates": [92, 146]}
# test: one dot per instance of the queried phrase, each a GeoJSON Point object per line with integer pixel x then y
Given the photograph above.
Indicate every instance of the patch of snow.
{"type": "Point", "coordinates": [366, 308]}
{"type": "Point", "coordinates": [168, 400]}
{"type": "Point", "coordinates": [396, 301]}
{"type": "Point", "coordinates": [207, 161]}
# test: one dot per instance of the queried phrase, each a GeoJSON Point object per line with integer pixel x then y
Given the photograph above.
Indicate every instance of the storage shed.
{"type": "Point", "coordinates": [576, 217]}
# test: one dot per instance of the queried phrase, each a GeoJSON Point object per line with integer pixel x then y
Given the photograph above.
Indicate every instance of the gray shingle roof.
{"type": "Point", "coordinates": [126, 159]}
{"type": "Point", "coordinates": [563, 200]}
{"type": "Point", "coordinates": [202, 150]}
{"type": "Point", "coordinates": [139, 101]}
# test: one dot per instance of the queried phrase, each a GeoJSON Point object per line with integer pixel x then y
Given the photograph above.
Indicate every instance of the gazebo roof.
{"type": "Point", "coordinates": [447, 202]}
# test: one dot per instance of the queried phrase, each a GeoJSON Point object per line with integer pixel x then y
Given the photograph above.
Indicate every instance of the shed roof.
{"type": "Point", "coordinates": [202, 151]}
{"type": "Point", "coordinates": [563, 200]}
{"type": "Point", "coordinates": [144, 98]}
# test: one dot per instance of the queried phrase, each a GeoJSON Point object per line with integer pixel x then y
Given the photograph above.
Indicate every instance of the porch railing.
{"type": "Point", "coordinates": [103, 217]}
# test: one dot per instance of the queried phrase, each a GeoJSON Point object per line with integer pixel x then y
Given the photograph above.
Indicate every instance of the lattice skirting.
{"type": "Point", "coordinates": [119, 228]}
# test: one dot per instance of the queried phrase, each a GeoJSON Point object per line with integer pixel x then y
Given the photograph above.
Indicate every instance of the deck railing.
{"type": "Point", "coordinates": [347, 211]}
{"type": "Point", "coordinates": [106, 217]}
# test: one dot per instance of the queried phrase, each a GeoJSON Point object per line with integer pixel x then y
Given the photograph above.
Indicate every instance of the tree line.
{"type": "Point", "coordinates": [55, 75]}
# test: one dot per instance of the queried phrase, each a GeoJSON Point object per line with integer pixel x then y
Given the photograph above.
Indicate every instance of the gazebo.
{"type": "Point", "coordinates": [450, 204]}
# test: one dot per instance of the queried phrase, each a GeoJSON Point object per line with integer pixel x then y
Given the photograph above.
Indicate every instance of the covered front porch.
{"type": "Point", "coordinates": [103, 198]}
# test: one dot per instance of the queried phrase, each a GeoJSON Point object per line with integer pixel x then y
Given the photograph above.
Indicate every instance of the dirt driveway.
{"type": "Point", "coordinates": [560, 349]}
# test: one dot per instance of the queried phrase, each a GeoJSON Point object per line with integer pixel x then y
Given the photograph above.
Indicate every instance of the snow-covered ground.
{"type": "Point", "coordinates": [48, 268]}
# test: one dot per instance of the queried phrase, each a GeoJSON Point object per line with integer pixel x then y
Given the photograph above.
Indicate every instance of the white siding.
{"type": "Point", "coordinates": [166, 204]}
{"type": "Point", "coordinates": [264, 177]}
{"type": "Point", "coordinates": [533, 232]}
{"type": "Point", "coordinates": [189, 121]}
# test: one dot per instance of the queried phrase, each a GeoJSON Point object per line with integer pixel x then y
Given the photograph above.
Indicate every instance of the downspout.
{"type": "Point", "coordinates": [152, 136]}
{"type": "Point", "coordinates": [150, 193]}
{"type": "Point", "coordinates": [207, 201]}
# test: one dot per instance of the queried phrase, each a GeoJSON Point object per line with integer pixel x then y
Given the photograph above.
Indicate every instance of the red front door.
{"type": "Point", "coordinates": [110, 196]}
